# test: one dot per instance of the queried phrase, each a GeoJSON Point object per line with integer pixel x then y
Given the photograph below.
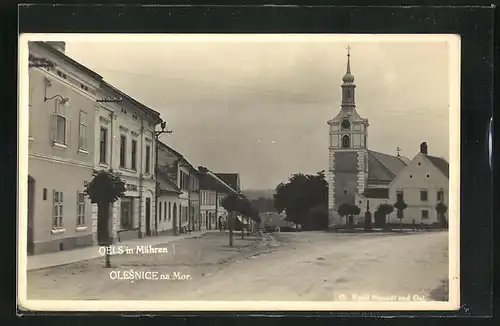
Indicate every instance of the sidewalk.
{"type": "Point", "coordinates": [76, 255]}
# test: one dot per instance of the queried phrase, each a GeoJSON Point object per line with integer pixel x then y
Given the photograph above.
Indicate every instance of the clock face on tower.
{"type": "Point", "coordinates": [345, 124]}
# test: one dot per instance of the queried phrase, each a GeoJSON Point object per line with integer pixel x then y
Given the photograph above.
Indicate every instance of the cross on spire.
{"type": "Point", "coordinates": [398, 150]}
{"type": "Point", "coordinates": [348, 59]}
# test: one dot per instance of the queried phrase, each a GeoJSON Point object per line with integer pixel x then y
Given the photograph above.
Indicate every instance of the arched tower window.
{"type": "Point", "coordinates": [346, 141]}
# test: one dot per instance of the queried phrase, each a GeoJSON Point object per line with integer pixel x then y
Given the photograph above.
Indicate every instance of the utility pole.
{"type": "Point", "coordinates": [163, 125]}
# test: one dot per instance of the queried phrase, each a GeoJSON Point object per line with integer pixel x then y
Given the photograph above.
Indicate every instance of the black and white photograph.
{"type": "Point", "coordinates": [193, 172]}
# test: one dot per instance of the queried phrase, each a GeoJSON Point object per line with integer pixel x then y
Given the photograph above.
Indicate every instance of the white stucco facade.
{"type": "Point", "coordinates": [124, 142]}
{"type": "Point", "coordinates": [423, 185]}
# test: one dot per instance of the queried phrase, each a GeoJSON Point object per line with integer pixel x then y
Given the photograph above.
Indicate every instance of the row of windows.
{"type": "Point", "coordinates": [61, 136]}
{"type": "Point", "coordinates": [208, 198]}
{"type": "Point", "coordinates": [424, 214]}
{"type": "Point", "coordinates": [58, 209]}
{"type": "Point", "coordinates": [103, 151]}
{"type": "Point", "coordinates": [424, 195]}
{"type": "Point", "coordinates": [166, 211]}
{"type": "Point", "coordinates": [61, 127]}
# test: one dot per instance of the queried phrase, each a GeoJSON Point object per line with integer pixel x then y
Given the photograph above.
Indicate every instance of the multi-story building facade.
{"type": "Point", "coordinates": [221, 211]}
{"type": "Point", "coordinates": [125, 140]}
{"type": "Point", "coordinates": [213, 189]}
{"type": "Point", "coordinates": [208, 206]}
{"type": "Point", "coordinates": [233, 181]}
{"type": "Point", "coordinates": [62, 108]}
{"type": "Point", "coordinates": [186, 178]}
{"type": "Point", "coordinates": [211, 194]}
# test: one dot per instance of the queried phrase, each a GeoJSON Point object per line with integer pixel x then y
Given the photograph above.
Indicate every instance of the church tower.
{"type": "Point", "coordinates": [348, 154]}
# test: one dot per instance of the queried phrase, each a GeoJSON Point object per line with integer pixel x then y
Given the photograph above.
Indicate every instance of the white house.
{"type": "Point", "coordinates": [61, 105]}
{"type": "Point", "coordinates": [422, 184]}
{"type": "Point", "coordinates": [124, 142]}
{"type": "Point", "coordinates": [186, 177]}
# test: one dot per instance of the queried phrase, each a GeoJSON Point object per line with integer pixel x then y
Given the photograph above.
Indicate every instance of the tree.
{"type": "Point", "coordinates": [262, 204]}
{"type": "Point", "coordinates": [400, 205]}
{"type": "Point", "coordinates": [239, 204]}
{"type": "Point", "coordinates": [441, 209]}
{"type": "Point", "coordinates": [349, 211]}
{"type": "Point", "coordinates": [104, 189]}
{"type": "Point", "coordinates": [355, 211]}
{"type": "Point", "coordinates": [385, 209]}
{"type": "Point", "coordinates": [344, 210]}
{"type": "Point", "coordinates": [300, 196]}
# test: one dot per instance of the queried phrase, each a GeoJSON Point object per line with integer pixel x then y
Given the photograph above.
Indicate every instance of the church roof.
{"type": "Point", "coordinates": [382, 168]}
{"type": "Point", "coordinates": [440, 164]}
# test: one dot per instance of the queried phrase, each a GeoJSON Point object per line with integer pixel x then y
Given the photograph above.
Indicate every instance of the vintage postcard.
{"type": "Point", "coordinates": [268, 172]}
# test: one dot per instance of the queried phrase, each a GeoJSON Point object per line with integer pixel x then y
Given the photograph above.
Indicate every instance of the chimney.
{"type": "Point", "coordinates": [59, 46]}
{"type": "Point", "coordinates": [423, 148]}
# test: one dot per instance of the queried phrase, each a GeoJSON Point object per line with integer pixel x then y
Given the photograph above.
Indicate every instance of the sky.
{"type": "Point", "coordinates": [259, 107]}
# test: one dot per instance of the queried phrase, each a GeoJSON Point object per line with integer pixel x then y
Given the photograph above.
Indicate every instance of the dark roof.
{"type": "Point", "coordinates": [207, 182]}
{"type": "Point", "coordinates": [176, 153]}
{"type": "Point", "coordinates": [164, 176]}
{"type": "Point", "coordinates": [231, 179]}
{"type": "Point", "coordinates": [211, 181]}
{"type": "Point", "coordinates": [72, 62]}
{"type": "Point", "coordinates": [440, 164]}
{"type": "Point", "coordinates": [383, 168]}
{"type": "Point", "coordinates": [376, 193]}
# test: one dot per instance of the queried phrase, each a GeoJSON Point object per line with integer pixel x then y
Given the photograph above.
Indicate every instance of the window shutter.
{"type": "Point", "coordinates": [53, 127]}
{"type": "Point", "coordinates": [54, 209]}
{"type": "Point", "coordinates": [68, 132]}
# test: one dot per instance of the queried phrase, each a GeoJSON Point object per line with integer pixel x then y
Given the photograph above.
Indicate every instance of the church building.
{"type": "Point", "coordinates": [365, 178]}
{"type": "Point", "coordinates": [353, 169]}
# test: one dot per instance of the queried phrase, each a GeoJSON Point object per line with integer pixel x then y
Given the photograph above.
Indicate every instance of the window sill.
{"type": "Point", "coordinates": [57, 231]}
{"type": "Point", "coordinates": [103, 165]}
{"type": "Point", "coordinates": [82, 151]}
{"type": "Point", "coordinates": [81, 228]}
{"type": "Point", "coordinates": [58, 145]}
{"type": "Point", "coordinates": [128, 170]}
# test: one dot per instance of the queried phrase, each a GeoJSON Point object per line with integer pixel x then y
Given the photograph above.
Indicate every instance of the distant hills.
{"type": "Point", "coordinates": [252, 194]}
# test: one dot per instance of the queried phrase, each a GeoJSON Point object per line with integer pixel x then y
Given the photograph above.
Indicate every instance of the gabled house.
{"type": "Point", "coordinates": [61, 107]}
{"type": "Point", "coordinates": [125, 138]}
{"type": "Point", "coordinates": [213, 190]}
{"type": "Point", "coordinates": [186, 178]}
{"type": "Point", "coordinates": [422, 185]}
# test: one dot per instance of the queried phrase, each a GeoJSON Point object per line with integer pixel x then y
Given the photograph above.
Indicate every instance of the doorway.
{"type": "Point", "coordinates": [148, 217]}
{"type": "Point", "coordinates": [31, 202]}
